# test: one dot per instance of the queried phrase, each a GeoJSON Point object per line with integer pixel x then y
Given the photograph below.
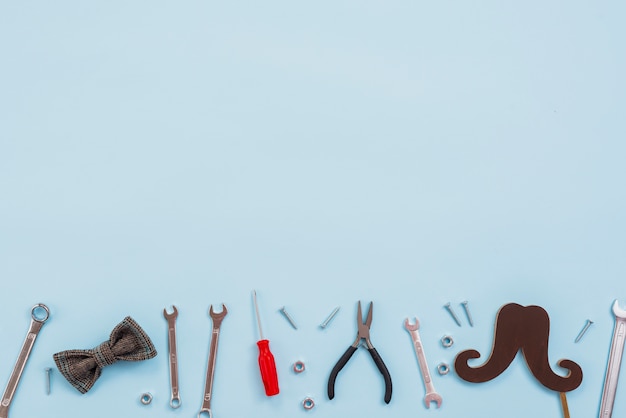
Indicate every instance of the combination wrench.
{"type": "Point", "coordinates": [615, 360]}
{"type": "Point", "coordinates": [431, 394]}
{"type": "Point", "coordinates": [175, 401]}
{"type": "Point", "coordinates": [36, 323]}
{"type": "Point", "coordinates": [208, 386]}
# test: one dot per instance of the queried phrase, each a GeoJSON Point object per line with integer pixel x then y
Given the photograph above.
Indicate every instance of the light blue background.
{"type": "Point", "coordinates": [406, 152]}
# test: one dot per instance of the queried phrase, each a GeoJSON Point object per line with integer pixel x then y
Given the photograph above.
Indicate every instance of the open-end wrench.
{"type": "Point", "coordinates": [36, 323]}
{"type": "Point", "coordinates": [210, 371]}
{"type": "Point", "coordinates": [615, 360]}
{"type": "Point", "coordinates": [175, 401]}
{"type": "Point", "coordinates": [431, 395]}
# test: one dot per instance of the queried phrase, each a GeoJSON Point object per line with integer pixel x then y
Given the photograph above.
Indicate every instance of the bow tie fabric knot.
{"type": "Point", "coordinates": [103, 355]}
{"type": "Point", "coordinates": [128, 342]}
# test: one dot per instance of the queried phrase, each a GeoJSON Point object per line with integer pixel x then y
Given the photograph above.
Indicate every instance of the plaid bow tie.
{"type": "Point", "coordinates": [128, 342]}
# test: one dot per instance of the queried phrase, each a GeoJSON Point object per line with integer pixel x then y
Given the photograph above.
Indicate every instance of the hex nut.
{"type": "Point", "coordinates": [447, 341]}
{"type": "Point", "coordinates": [146, 398]}
{"type": "Point", "coordinates": [308, 403]}
{"type": "Point", "coordinates": [443, 368]}
{"type": "Point", "coordinates": [298, 367]}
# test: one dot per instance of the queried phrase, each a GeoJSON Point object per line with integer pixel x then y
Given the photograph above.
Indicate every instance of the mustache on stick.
{"type": "Point", "coordinates": [524, 328]}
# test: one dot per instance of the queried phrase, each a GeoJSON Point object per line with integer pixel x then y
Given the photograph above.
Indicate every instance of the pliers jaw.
{"type": "Point", "coordinates": [363, 328]}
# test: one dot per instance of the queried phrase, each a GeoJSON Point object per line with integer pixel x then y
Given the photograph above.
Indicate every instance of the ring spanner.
{"type": "Point", "coordinates": [175, 401]}
{"type": "Point", "coordinates": [35, 326]}
{"type": "Point", "coordinates": [208, 386]}
{"type": "Point", "coordinates": [615, 360]}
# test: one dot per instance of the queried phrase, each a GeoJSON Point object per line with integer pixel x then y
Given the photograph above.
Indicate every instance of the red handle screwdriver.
{"type": "Point", "coordinates": [267, 365]}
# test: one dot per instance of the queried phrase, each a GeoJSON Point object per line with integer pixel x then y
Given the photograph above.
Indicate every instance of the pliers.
{"type": "Point", "coordinates": [363, 332]}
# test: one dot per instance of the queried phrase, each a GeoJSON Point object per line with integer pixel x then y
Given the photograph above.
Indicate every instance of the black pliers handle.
{"type": "Point", "coordinates": [363, 333]}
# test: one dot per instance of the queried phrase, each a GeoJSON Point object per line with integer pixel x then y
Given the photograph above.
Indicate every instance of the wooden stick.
{"type": "Point", "coordinates": [564, 405]}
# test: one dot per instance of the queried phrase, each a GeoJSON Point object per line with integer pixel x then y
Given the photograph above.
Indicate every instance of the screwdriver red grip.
{"type": "Point", "coordinates": [267, 365]}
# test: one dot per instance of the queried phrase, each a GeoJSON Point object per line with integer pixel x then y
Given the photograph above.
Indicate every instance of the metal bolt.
{"type": "Point", "coordinates": [48, 370]}
{"type": "Point", "coordinates": [284, 312]}
{"type": "Point", "coordinates": [330, 318]}
{"type": "Point", "coordinates": [582, 331]}
{"type": "Point", "coordinates": [456, 318]}
{"type": "Point", "coordinates": [467, 313]}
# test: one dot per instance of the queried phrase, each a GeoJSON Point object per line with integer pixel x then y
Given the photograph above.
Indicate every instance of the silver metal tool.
{"type": "Point", "coordinates": [208, 387]}
{"type": "Point", "coordinates": [467, 313]}
{"type": "Point", "coordinates": [330, 318]}
{"type": "Point", "coordinates": [456, 318]}
{"type": "Point", "coordinates": [175, 401]}
{"type": "Point", "coordinates": [582, 331]}
{"type": "Point", "coordinates": [36, 323]}
{"type": "Point", "coordinates": [288, 317]}
{"type": "Point", "coordinates": [431, 394]}
{"type": "Point", "coordinates": [615, 360]}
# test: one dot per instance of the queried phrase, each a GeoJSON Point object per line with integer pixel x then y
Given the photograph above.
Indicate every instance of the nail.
{"type": "Point", "coordinates": [467, 313]}
{"type": "Point", "coordinates": [330, 318]}
{"type": "Point", "coordinates": [284, 312]}
{"type": "Point", "coordinates": [582, 331]}
{"type": "Point", "coordinates": [456, 318]}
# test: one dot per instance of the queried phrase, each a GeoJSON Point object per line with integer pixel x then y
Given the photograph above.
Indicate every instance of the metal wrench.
{"type": "Point", "coordinates": [431, 394]}
{"type": "Point", "coordinates": [35, 326]}
{"type": "Point", "coordinates": [615, 360]}
{"type": "Point", "coordinates": [208, 387]}
{"type": "Point", "coordinates": [175, 401]}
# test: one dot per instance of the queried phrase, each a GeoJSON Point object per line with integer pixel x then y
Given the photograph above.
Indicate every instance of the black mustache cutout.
{"type": "Point", "coordinates": [523, 328]}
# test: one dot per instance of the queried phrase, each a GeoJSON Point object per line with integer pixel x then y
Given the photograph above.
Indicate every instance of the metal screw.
{"type": "Point", "coordinates": [467, 313]}
{"type": "Point", "coordinates": [284, 312]}
{"type": "Point", "coordinates": [456, 318]}
{"type": "Point", "coordinates": [582, 331]}
{"type": "Point", "coordinates": [330, 318]}
{"type": "Point", "coordinates": [48, 370]}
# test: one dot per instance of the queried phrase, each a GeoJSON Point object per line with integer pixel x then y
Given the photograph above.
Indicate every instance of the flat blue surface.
{"type": "Point", "coordinates": [410, 153]}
